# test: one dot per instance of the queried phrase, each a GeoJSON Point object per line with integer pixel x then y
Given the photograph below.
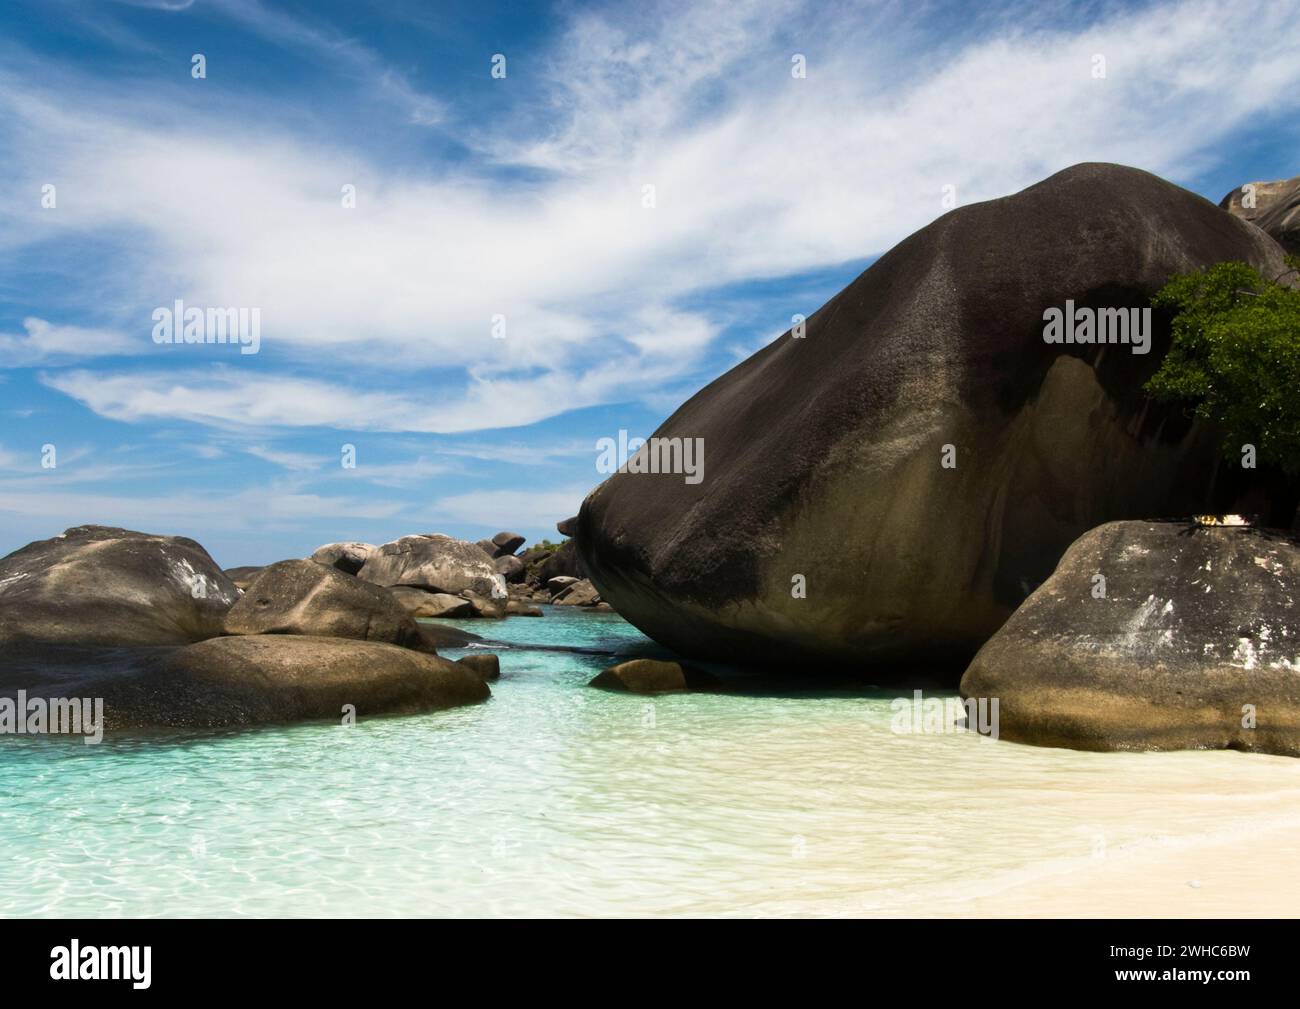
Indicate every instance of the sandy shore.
{"type": "Point", "coordinates": [1251, 875]}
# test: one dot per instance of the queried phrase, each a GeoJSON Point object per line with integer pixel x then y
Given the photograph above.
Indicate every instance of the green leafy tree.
{"type": "Point", "coordinates": [1235, 357]}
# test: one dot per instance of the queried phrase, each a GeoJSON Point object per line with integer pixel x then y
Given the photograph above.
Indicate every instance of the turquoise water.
{"type": "Point", "coordinates": [555, 799]}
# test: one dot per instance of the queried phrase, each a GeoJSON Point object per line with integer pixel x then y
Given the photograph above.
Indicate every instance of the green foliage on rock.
{"type": "Point", "coordinates": [1235, 357]}
{"type": "Point", "coordinates": [533, 570]}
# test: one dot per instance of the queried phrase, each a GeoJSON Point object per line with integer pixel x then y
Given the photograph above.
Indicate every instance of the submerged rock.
{"type": "Point", "coordinates": [347, 557]}
{"type": "Point", "coordinates": [306, 597]}
{"type": "Point", "coordinates": [1276, 209]}
{"type": "Point", "coordinates": [1194, 645]}
{"type": "Point", "coordinates": [100, 585]}
{"type": "Point", "coordinates": [890, 483]}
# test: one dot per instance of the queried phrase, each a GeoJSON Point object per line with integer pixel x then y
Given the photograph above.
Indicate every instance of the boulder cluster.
{"type": "Point", "coordinates": [433, 575]}
{"type": "Point", "coordinates": [150, 624]}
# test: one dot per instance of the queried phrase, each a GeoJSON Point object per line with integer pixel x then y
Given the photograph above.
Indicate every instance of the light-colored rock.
{"type": "Point", "coordinates": [580, 593]}
{"type": "Point", "coordinates": [348, 557]}
{"type": "Point", "coordinates": [434, 562]}
{"type": "Point", "coordinates": [1275, 210]}
{"type": "Point", "coordinates": [1195, 640]}
{"type": "Point", "coordinates": [421, 603]}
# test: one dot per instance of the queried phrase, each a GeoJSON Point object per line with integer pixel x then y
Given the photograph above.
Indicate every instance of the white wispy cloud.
{"type": "Point", "coordinates": [252, 508]}
{"type": "Point", "coordinates": [289, 460]}
{"type": "Point", "coordinates": [756, 175]}
{"type": "Point", "coordinates": [45, 342]}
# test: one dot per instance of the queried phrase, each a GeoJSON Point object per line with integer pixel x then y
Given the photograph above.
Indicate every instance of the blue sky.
{"type": "Point", "coordinates": [521, 197]}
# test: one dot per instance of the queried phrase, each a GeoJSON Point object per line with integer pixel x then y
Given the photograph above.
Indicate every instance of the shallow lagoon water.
{"type": "Point", "coordinates": [554, 799]}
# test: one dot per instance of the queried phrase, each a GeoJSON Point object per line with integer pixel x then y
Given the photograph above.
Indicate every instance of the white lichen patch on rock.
{"type": "Point", "coordinates": [14, 578]}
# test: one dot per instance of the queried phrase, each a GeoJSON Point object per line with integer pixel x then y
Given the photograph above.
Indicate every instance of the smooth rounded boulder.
{"type": "Point", "coordinates": [101, 585]}
{"type": "Point", "coordinates": [422, 603]}
{"type": "Point", "coordinates": [484, 665]}
{"type": "Point", "coordinates": [284, 678]}
{"type": "Point", "coordinates": [347, 557]}
{"type": "Point", "coordinates": [306, 597]}
{"type": "Point", "coordinates": [652, 676]}
{"type": "Point", "coordinates": [511, 568]}
{"type": "Point", "coordinates": [435, 563]}
{"type": "Point", "coordinates": [884, 485]}
{"type": "Point", "coordinates": [1154, 636]}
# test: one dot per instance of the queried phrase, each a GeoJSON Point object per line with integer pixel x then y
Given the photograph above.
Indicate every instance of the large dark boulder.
{"type": "Point", "coordinates": [1276, 209]}
{"type": "Point", "coordinates": [435, 563]}
{"type": "Point", "coordinates": [98, 585]}
{"type": "Point", "coordinates": [1197, 635]}
{"type": "Point", "coordinates": [306, 597]}
{"type": "Point", "coordinates": [347, 557]}
{"type": "Point", "coordinates": [825, 526]}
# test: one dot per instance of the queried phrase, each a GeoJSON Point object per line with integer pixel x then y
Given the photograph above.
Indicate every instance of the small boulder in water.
{"type": "Point", "coordinates": [651, 676]}
{"type": "Point", "coordinates": [483, 664]}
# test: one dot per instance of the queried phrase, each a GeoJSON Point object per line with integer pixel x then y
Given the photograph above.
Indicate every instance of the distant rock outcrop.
{"type": "Point", "coordinates": [1273, 207]}
{"type": "Point", "coordinates": [563, 562]}
{"type": "Point", "coordinates": [436, 563]}
{"type": "Point", "coordinates": [1154, 635]}
{"type": "Point", "coordinates": [241, 576]}
{"type": "Point", "coordinates": [347, 557]}
{"type": "Point", "coordinates": [99, 585]}
{"type": "Point", "coordinates": [887, 483]}
{"type": "Point", "coordinates": [506, 543]}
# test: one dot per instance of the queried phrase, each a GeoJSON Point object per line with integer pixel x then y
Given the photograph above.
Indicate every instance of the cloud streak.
{"type": "Point", "coordinates": [756, 175]}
